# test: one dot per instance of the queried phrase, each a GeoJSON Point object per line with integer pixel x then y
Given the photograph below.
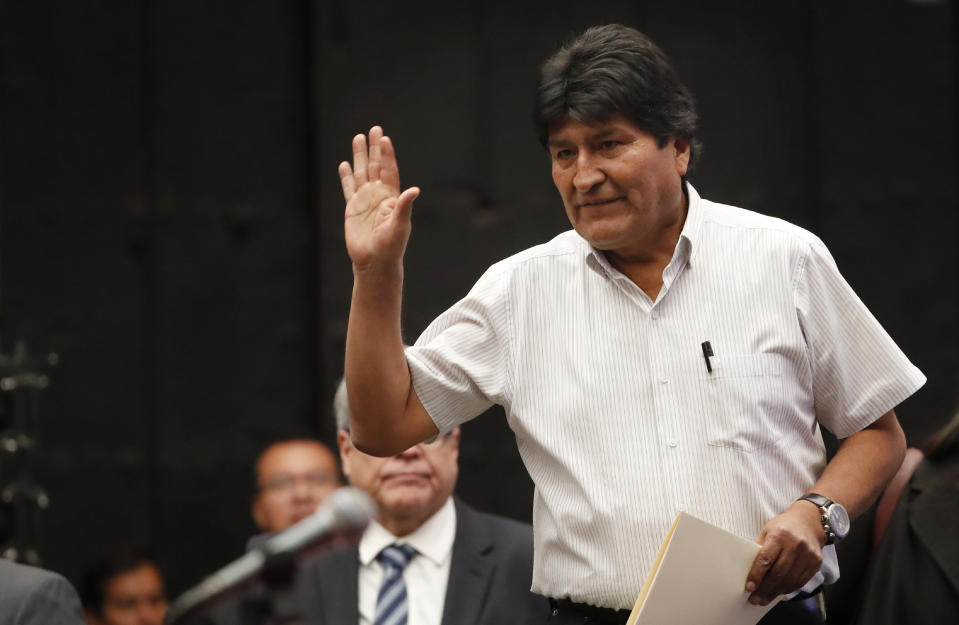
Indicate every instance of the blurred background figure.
{"type": "Point", "coordinates": [124, 588]}
{"type": "Point", "coordinates": [32, 596]}
{"type": "Point", "coordinates": [292, 478]}
{"type": "Point", "coordinates": [914, 573]}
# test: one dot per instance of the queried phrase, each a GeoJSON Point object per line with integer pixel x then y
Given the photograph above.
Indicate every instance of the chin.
{"type": "Point", "coordinates": [407, 498]}
{"type": "Point", "coordinates": [602, 236]}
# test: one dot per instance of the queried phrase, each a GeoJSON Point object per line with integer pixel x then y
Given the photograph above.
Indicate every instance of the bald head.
{"type": "Point", "coordinates": [292, 479]}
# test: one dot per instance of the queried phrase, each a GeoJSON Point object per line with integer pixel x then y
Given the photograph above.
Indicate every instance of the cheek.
{"type": "Point", "coordinates": [561, 179]}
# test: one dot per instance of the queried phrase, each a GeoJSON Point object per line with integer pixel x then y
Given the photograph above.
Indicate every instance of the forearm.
{"type": "Point", "coordinates": [864, 464]}
{"type": "Point", "coordinates": [385, 414]}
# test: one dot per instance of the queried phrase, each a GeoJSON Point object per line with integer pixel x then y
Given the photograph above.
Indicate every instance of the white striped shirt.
{"type": "Point", "coordinates": [617, 419]}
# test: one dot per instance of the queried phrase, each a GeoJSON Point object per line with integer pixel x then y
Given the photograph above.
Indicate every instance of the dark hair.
{"type": "Point", "coordinates": [98, 575]}
{"type": "Point", "coordinates": [615, 69]}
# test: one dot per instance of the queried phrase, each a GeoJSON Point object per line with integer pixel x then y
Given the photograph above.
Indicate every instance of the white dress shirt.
{"type": "Point", "coordinates": [426, 575]}
{"type": "Point", "coordinates": [617, 419]}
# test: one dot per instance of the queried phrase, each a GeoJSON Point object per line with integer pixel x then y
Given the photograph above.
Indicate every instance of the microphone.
{"type": "Point", "coordinates": [346, 512]}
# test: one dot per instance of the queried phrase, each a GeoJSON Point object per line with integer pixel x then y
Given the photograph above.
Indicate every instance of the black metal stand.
{"type": "Point", "coordinates": [22, 499]}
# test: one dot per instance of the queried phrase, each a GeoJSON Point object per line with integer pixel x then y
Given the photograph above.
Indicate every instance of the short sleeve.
{"type": "Point", "coordinates": [460, 365]}
{"type": "Point", "coordinates": [858, 371]}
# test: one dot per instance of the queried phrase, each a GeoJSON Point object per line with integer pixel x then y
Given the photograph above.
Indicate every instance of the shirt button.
{"type": "Point", "coordinates": [654, 315]}
{"type": "Point", "coordinates": [672, 444]}
{"type": "Point", "coordinates": [662, 380]}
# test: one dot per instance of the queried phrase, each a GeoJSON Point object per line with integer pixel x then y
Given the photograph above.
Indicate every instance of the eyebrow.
{"type": "Point", "coordinates": [599, 135]}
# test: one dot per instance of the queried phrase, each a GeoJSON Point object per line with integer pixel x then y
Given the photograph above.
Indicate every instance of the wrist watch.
{"type": "Point", "coordinates": [835, 519]}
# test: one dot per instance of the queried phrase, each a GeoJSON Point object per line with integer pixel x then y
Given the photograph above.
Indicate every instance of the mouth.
{"type": "Point", "coordinates": [406, 476]}
{"type": "Point", "coordinates": [598, 202]}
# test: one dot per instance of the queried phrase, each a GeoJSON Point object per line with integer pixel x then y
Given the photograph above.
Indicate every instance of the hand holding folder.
{"type": "Point", "coordinates": [699, 578]}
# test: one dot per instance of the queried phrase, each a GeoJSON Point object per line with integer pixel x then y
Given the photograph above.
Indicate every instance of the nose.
{"type": "Point", "coordinates": [412, 452]}
{"type": "Point", "coordinates": [302, 490]}
{"type": "Point", "coordinates": [148, 614]}
{"type": "Point", "coordinates": [588, 175]}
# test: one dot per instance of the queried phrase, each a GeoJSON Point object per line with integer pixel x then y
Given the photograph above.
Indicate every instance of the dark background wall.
{"type": "Point", "coordinates": [170, 215]}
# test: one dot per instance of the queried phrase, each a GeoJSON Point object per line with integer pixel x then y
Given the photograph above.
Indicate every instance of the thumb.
{"type": "Point", "coordinates": [404, 203]}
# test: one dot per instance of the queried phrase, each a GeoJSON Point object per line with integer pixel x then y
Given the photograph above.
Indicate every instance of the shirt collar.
{"type": "Point", "coordinates": [433, 539]}
{"type": "Point", "coordinates": [693, 226]}
{"type": "Point", "coordinates": [685, 248]}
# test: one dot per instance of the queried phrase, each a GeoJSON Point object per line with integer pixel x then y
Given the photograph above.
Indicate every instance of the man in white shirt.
{"type": "Point", "coordinates": [669, 354]}
{"type": "Point", "coordinates": [461, 565]}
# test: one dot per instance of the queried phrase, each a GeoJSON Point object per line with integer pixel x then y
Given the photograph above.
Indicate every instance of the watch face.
{"type": "Point", "coordinates": [838, 520]}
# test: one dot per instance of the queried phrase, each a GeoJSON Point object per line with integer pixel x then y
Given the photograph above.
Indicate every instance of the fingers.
{"type": "Point", "coordinates": [376, 135]}
{"type": "Point", "coordinates": [786, 561]}
{"type": "Point", "coordinates": [360, 170]}
{"type": "Point", "coordinates": [776, 579]}
{"type": "Point", "coordinates": [761, 564]}
{"type": "Point", "coordinates": [346, 180]}
{"type": "Point", "coordinates": [389, 172]}
{"type": "Point", "coordinates": [373, 161]}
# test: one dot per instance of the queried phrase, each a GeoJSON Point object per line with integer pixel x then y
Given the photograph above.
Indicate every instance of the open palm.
{"type": "Point", "coordinates": [377, 217]}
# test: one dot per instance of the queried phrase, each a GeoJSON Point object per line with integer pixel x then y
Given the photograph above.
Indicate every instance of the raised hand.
{"type": "Point", "coordinates": [377, 218]}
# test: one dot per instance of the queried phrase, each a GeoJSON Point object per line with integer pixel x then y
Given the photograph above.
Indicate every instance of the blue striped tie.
{"type": "Point", "coordinates": [391, 607]}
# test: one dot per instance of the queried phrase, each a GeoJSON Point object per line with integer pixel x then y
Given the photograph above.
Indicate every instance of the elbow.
{"type": "Point", "coordinates": [895, 443]}
{"type": "Point", "coordinates": [378, 446]}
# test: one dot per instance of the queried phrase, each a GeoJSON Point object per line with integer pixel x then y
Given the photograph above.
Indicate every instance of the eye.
{"type": "Point", "coordinates": [609, 144]}
{"type": "Point", "coordinates": [562, 154]}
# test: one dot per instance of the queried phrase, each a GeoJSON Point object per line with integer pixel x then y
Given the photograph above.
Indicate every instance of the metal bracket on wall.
{"type": "Point", "coordinates": [22, 377]}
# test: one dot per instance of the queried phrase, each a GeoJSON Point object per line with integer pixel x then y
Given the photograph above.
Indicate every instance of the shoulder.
{"type": "Point", "coordinates": [565, 248]}
{"type": "Point", "coordinates": [338, 558]}
{"type": "Point", "coordinates": [718, 216]}
{"type": "Point", "coordinates": [34, 595]}
{"type": "Point", "coordinates": [762, 240]}
{"type": "Point", "coordinates": [499, 529]}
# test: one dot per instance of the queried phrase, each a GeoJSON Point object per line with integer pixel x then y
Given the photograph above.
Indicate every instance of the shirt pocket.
{"type": "Point", "coordinates": [748, 400]}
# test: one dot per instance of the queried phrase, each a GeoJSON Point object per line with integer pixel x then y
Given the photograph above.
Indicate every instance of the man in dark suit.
{"type": "Point", "coordinates": [32, 596]}
{"type": "Point", "coordinates": [461, 566]}
{"type": "Point", "coordinates": [468, 567]}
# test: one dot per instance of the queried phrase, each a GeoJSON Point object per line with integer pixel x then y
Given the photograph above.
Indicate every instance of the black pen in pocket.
{"type": "Point", "coordinates": [707, 352]}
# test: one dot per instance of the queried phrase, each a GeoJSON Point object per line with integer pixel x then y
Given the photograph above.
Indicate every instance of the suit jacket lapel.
{"type": "Point", "coordinates": [328, 588]}
{"type": "Point", "coordinates": [471, 568]}
{"type": "Point", "coordinates": [934, 514]}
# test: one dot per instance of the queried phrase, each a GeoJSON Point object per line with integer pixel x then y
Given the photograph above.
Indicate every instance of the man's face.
{"type": "Point", "coordinates": [134, 597]}
{"type": "Point", "coordinates": [412, 485]}
{"type": "Point", "coordinates": [293, 478]}
{"type": "Point", "coordinates": [620, 189]}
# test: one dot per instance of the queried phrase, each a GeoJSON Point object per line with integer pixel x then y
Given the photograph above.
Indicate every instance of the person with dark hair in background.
{"type": "Point", "coordinates": [914, 572]}
{"type": "Point", "coordinates": [33, 596]}
{"type": "Point", "coordinates": [668, 354]}
{"type": "Point", "coordinates": [293, 477]}
{"type": "Point", "coordinates": [124, 588]}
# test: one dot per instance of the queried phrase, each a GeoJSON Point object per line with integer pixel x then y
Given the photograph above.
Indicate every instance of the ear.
{"type": "Point", "coordinates": [455, 440]}
{"type": "Point", "coordinates": [345, 444]}
{"type": "Point", "coordinates": [682, 154]}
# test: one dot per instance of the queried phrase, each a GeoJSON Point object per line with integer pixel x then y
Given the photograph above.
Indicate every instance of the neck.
{"type": "Point", "coordinates": [644, 262]}
{"type": "Point", "coordinates": [404, 523]}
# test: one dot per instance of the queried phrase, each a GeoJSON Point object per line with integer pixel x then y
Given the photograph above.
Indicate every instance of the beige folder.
{"type": "Point", "coordinates": [699, 578]}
